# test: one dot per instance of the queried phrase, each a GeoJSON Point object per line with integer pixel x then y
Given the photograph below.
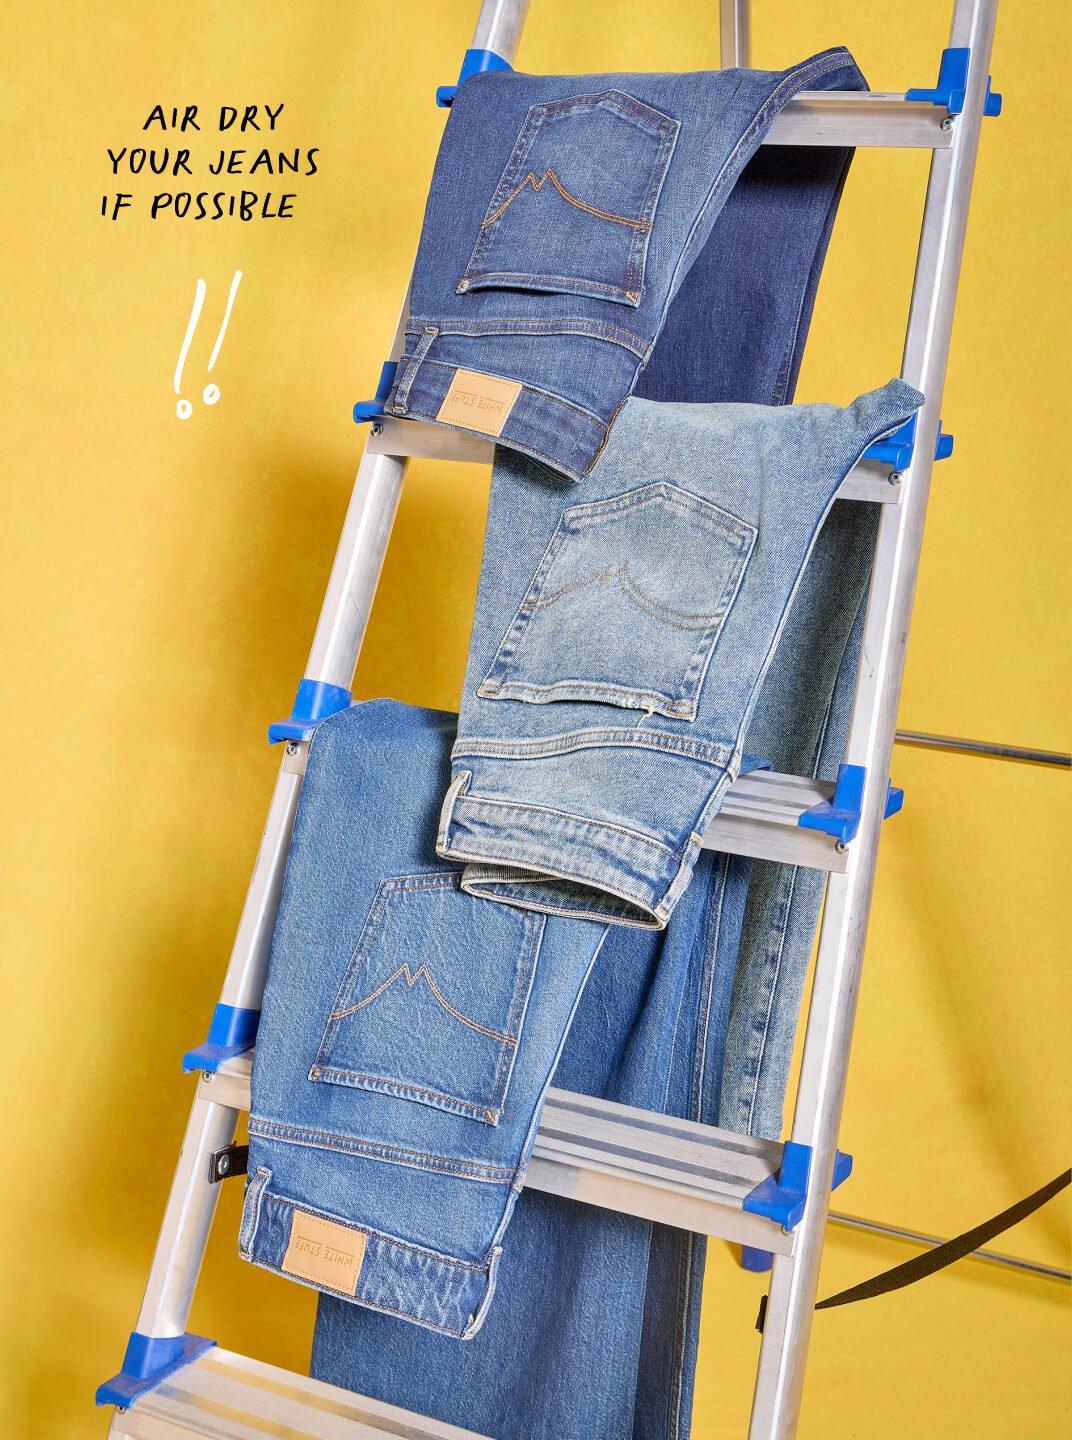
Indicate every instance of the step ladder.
{"type": "Point", "coordinates": [770, 1197]}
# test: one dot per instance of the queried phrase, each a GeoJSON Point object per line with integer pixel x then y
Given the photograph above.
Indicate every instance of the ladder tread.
{"type": "Point", "coordinates": [423, 440]}
{"type": "Point", "coordinates": [618, 1157]}
{"type": "Point", "coordinates": [225, 1396]}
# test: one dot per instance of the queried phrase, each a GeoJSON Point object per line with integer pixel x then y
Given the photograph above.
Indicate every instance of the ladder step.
{"type": "Point", "coordinates": [870, 118]}
{"type": "Point", "coordinates": [618, 1157]}
{"type": "Point", "coordinates": [225, 1396]}
{"type": "Point", "coordinates": [420, 440]}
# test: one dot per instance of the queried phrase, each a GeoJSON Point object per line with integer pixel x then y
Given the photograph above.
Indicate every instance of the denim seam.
{"type": "Point", "coordinates": [374, 1150]}
{"type": "Point", "coordinates": [405, 1090]}
{"type": "Point", "coordinates": [491, 882]}
{"type": "Point", "coordinates": [706, 752]}
{"type": "Point", "coordinates": [636, 837]}
{"type": "Point", "coordinates": [591, 329]}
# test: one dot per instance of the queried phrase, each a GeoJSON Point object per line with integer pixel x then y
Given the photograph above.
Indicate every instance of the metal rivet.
{"type": "Point", "coordinates": [223, 1164]}
{"type": "Point", "coordinates": [463, 286]}
{"type": "Point", "coordinates": [894, 477]}
{"type": "Point", "coordinates": [292, 747]}
{"type": "Point", "coordinates": [840, 846]}
{"type": "Point", "coordinates": [947, 123]}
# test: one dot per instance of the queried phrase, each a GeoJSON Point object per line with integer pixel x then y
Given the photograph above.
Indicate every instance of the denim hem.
{"type": "Point", "coordinates": [436, 1291]}
{"type": "Point", "coordinates": [551, 860]}
{"type": "Point", "coordinates": [541, 424]}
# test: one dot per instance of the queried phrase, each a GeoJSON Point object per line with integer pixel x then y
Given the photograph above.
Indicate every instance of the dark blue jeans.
{"type": "Point", "coordinates": [595, 1324]}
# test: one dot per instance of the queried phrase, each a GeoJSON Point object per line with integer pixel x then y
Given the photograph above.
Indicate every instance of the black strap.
{"type": "Point", "coordinates": [937, 1258]}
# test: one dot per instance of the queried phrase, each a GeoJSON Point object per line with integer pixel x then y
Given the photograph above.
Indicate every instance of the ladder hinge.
{"type": "Point", "coordinates": [148, 1360]}
{"type": "Point", "coordinates": [840, 815]}
{"type": "Point", "coordinates": [232, 1032]}
{"type": "Point", "coordinates": [373, 409]}
{"type": "Point", "coordinates": [952, 85]}
{"type": "Point", "coordinates": [315, 701]}
{"type": "Point", "coordinates": [782, 1197]}
{"type": "Point", "coordinates": [896, 448]}
{"type": "Point", "coordinates": [476, 62]}
{"type": "Point", "coordinates": [230, 1161]}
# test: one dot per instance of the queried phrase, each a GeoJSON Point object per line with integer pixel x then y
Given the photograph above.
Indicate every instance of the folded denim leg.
{"type": "Point", "coordinates": [590, 1319]}
{"type": "Point", "coordinates": [408, 1035]}
{"type": "Point", "coordinates": [604, 715]}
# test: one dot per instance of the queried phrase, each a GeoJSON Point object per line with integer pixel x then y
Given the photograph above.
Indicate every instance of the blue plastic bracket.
{"type": "Point", "coordinates": [952, 85]}
{"type": "Point", "coordinates": [475, 62]}
{"type": "Point", "coordinates": [840, 815]}
{"type": "Point", "coordinates": [314, 701]}
{"type": "Point", "coordinates": [232, 1032]}
{"type": "Point", "coordinates": [757, 1260]}
{"type": "Point", "coordinates": [366, 410]}
{"type": "Point", "coordinates": [781, 1197]}
{"type": "Point", "coordinates": [895, 449]}
{"type": "Point", "coordinates": [148, 1360]}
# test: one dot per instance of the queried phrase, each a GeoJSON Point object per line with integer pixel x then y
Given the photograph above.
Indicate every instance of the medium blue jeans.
{"type": "Point", "coordinates": [564, 218]}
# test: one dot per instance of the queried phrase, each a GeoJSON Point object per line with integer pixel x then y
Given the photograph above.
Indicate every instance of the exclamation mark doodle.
{"type": "Point", "coordinates": [211, 393]}
{"type": "Point", "coordinates": [184, 409]}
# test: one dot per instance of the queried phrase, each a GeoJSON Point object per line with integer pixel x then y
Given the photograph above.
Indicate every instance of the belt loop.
{"type": "Point", "coordinates": [413, 364]}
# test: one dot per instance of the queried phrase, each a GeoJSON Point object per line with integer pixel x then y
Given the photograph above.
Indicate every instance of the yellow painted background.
{"type": "Point", "coordinates": [160, 583]}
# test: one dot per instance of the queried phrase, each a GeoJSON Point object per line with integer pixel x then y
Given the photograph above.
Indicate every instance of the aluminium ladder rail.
{"type": "Point", "coordinates": [674, 1170]}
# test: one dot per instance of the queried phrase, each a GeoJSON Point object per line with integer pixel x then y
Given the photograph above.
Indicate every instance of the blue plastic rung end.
{"type": "Point", "coordinates": [366, 410]}
{"type": "Point", "coordinates": [782, 1197]}
{"type": "Point", "coordinates": [314, 701]}
{"type": "Point", "coordinates": [951, 89]}
{"type": "Point", "coordinates": [476, 62]}
{"type": "Point", "coordinates": [148, 1360]}
{"type": "Point", "coordinates": [896, 448]}
{"type": "Point", "coordinates": [839, 816]}
{"type": "Point", "coordinates": [232, 1032]}
{"type": "Point", "coordinates": [756, 1260]}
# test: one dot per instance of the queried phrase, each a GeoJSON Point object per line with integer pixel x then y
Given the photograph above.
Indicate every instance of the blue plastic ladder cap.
{"type": "Point", "coordinates": [476, 62]}
{"type": "Point", "coordinates": [896, 448]}
{"type": "Point", "coordinates": [232, 1032]}
{"type": "Point", "coordinates": [149, 1359]}
{"type": "Point", "coordinates": [756, 1260]}
{"type": "Point", "coordinates": [366, 410]}
{"type": "Point", "coordinates": [951, 89]}
{"type": "Point", "coordinates": [839, 816]}
{"type": "Point", "coordinates": [782, 1197]}
{"type": "Point", "coordinates": [315, 701]}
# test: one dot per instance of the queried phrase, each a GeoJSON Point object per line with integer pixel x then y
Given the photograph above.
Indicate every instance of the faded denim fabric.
{"type": "Point", "coordinates": [606, 704]}
{"type": "Point", "coordinates": [563, 220]}
{"type": "Point", "coordinates": [408, 1034]}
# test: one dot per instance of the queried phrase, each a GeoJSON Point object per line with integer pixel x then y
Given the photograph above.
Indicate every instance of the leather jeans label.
{"type": "Point", "coordinates": [479, 402]}
{"type": "Point", "coordinates": [326, 1253]}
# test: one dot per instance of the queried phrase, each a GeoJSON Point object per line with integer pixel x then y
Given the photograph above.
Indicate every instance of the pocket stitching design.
{"type": "Point", "coordinates": [322, 1069]}
{"type": "Point", "coordinates": [739, 534]}
{"type": "Point", "coordinates": [662, 128]}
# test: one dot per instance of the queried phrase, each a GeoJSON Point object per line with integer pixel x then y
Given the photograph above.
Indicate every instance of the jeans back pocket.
{"type": "Point", "coordinates": [574, 209]}
{"type": "Point", "coordinates": [431, 1005]}
{"type": "Point", "coordinates": [627, 604]}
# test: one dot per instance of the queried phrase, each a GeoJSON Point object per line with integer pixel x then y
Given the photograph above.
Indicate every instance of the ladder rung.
{"type": "Point", "coordinates": [875, 118]}
{"type": "Point", "coordinates": [637, 1162]}
{"type": "Point", "coordinates": [420, 440]}
{"type": "Point", "coordinates": [225, 1396]}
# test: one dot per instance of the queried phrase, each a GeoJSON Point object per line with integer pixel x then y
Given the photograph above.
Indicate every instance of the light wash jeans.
{"type": "Point", "coordinates": [607, 697]}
